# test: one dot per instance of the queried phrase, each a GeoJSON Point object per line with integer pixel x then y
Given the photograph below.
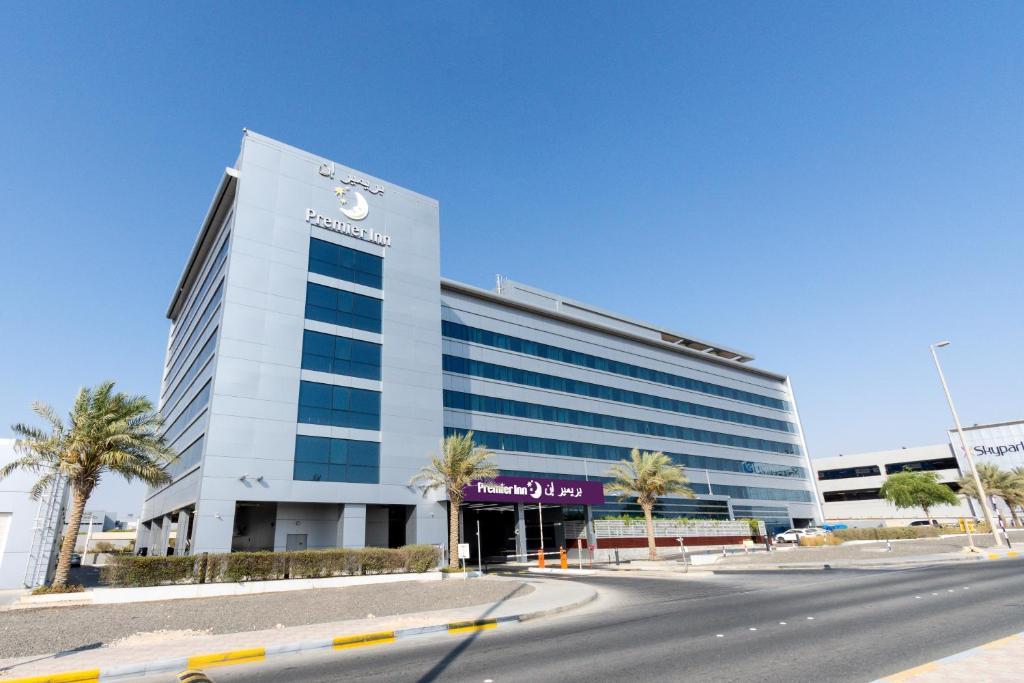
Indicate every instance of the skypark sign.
{"type": "Point", "coordinates": [535, 490]}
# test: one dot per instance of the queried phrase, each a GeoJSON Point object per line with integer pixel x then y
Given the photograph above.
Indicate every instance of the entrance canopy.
{"type": "Point", "coordinates": [535, 490]}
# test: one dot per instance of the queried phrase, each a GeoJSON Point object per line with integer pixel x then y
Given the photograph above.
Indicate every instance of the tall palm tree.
{"type": "Point", "coordinates": [647, 476]}
{"type": "Point", "coordinates": [997, 482]}
{"type": "Point", "coordinates": [105, 432]}
{"type": "Point", "coordinates": [461, 462]}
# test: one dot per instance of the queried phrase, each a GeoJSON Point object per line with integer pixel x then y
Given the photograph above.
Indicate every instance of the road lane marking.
{"type": "Point", "coordinates": [782, 623]}
{"type": "Point", "coordinates": [719, 635]}
{"type": "Point", "coordinates": [752, 628]}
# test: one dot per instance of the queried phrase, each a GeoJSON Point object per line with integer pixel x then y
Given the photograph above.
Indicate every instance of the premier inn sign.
{"type": "Point", "coordinates": [535, 490]}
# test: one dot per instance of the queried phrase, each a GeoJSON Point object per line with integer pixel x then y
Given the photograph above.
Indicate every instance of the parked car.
{"type": "Point", "coordinates": [924, 522]}
{"type": "Point", "coordinates": [76, 560]}
{"type": "Point", "coordinates": [814, 531]}
{"type": "Point", "coordinates": [790, 536]}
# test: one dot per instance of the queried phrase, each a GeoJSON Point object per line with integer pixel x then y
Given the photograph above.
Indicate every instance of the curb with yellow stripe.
{"type": "Point", "coordinates": [908, 674]}
{"type": "Point", "coordinates": [258, 654]}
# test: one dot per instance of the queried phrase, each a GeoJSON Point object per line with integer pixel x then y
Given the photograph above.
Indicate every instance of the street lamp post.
{"type": "Point", "coordinates": [983, 498]}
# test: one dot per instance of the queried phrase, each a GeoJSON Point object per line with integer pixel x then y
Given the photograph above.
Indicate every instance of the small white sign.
{"type": "Point", "coordinates": [463, 551]}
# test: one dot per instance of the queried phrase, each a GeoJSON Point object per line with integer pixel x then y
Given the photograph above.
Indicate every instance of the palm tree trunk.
{"type": "Point", "coordinates": [67, 546]}
{"type": "Point", "coordinates": [1013, 514]}
{"type": "Point", "coordinates": [453, 532]}
{"type": "Point", "coordinates": [652, 552]}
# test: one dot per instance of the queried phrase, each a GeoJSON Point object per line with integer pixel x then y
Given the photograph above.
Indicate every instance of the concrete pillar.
{"type": "Point", "coordinates": [155, 537]}
{"type": "Point", "coordinates": [427, 524]}
{"type": "Point", "coordinates": [352, 526]}
{"type": "Point", "coordinates": [591, 536]}
{"type": "Point", "coordinates": [165, 533]}
{"type": "Point", "coordinates": [143, 534]}
{"type": "Point", "coordinates": [521, 532]}
{"type": "Point", "coordinates": [182, 545]}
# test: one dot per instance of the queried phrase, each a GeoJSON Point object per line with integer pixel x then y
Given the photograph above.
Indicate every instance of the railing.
{"type": "Point", "coordinates": [606, 528]}
{"type": "Point", "coordinates": [45, 531]}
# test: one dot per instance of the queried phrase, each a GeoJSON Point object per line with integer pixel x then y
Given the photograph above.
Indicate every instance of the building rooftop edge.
{"type": "Point", "coordinates": [496, 297]}
{"type": "Point", "coordinates": [1008, 423]}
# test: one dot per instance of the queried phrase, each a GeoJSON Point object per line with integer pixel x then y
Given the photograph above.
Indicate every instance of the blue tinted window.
{"type": "Point", "coordinates": [326, 404]}
{"type": "Point", "coordinates": [542, 446]}
{"type": "Point", "coordinates": [320, 458]}
{"type": "Point", "coordinates": [533, 411]}
{"type": "Point", "coordinates": [340, 355]}
{"type": "Point", "coordinates": [339, 307]}
{"type": "Point", "coordinates": [503, 341]}
{"type": "Point", "coordinates": [194, 409]}
{"type": "Point", "coordinates": [474, 368]}
{"type": "Point", "coordinates": [334, 260]}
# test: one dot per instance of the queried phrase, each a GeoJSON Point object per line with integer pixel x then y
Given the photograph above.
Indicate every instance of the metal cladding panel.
{"type": "Point", "coordinates": [286, 196]}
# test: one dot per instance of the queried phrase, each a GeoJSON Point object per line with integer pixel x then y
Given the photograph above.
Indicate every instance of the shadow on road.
{"type": "Point", "coordinates": [455, 652]}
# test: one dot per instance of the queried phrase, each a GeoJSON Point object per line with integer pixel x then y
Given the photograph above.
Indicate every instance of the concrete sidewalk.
{"type": "Point", "coordinates": [1001, 661]}
{"type": "Point", "coordinates": [174, 652]}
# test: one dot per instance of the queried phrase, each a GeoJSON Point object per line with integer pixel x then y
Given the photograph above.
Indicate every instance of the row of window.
{"type": "Point", "coordinates": [187, 458]}
{"type": "Point", "coordinates": [326, 404]}
{"type": "Point", "coordinates": [499, 406]}
{"type": "Point", "coordinates": [211, 274]}
{"type": "Point", "coordinates": [849, 472]}
{"type": "Point", "coordinates": [194, 369]}
{"type": "Point", "coordinates": [194, 408]}
{"type": "Point", "coordinates": [344, 460]}
{"type": "Point", "coordinates": [340, 355]}
{"type": "Point", "coordinates": [334, 260]}
{"type": "Point", "coordinates": [544, 446]}
{"type": "Point", "coordinates": [743, 492]}
{"type": "Point", "coordinates": [194, 336]}
{"type": "Point", "coordinates": [892, 468]}
{"type": "Point", "coordinates": [338, 307]}
{"type": "Point", "coordinates": [502, 373]}
{"type": "Point", "coordinates": [866, 494]}
{"type": "Point", "coordinates": [476, 335]}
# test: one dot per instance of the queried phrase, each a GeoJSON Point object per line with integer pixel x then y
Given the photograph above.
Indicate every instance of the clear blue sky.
{"type": "Point", "coordinates": [828, 186]}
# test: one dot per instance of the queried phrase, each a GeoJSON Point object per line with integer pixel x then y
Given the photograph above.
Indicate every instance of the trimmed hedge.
{"type": "Point", "coordinates": [267, 566]}
{"type": "Point", "coordinates": [887, 533]}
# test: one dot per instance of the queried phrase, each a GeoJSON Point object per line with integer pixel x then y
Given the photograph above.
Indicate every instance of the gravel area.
{"type": "Point", "coordinates": [57, 629]}
{"type": "Point", "coordinates": [870, 551]}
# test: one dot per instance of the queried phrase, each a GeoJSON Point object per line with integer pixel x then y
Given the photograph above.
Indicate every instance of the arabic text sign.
{"type": "Point", "coordinates": [535, 490]}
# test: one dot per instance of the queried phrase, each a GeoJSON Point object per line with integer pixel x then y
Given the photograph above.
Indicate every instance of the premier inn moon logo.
{"type": "Point", "coordinates": [358, 209]}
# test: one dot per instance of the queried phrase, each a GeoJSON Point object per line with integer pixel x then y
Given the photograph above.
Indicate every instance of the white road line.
{"type": "Point", "coordinates": [752, 628]}
{"type": "Point", "coordinates": [719, 635]}
{"type": "Point", "coordinates": [782, 623]}
{"type": "Point", "coordinates": [810, 618]}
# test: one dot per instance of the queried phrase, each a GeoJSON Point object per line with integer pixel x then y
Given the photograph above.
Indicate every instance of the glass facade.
{"type": "Point", "coordinates": [187, 459]}
{"type": "Point", "coordinates": [333, 260]}
{"type": "Point", "coordinates": [339, 307]}
{"type": "Point", "coordinates": [543, 446]}
{"type": "Point", "coordinates": [475, 368]}
{"type": "Point", "coordinates": [326, 404]}
{"type": "Point", "coordinates": [745, 492]}
{"type": "Point", "coordinates": [341, 460]}
{"type": "Point", "coordinates": [211, 274]}
{"type": "Point", "coordinates": [534, 411]}
{"type": "Point", "coordinates": [187, 416]}
{"type": "Point", "coordinates": [340, 355]}
{"type": "Point", "coordinates": [509, 343]}
{"type": "Point", "coordinates": [204, 355]}
{"type": "Point", "coordinates": [849, 472]}
{"type": "Point", "coordinates": [923, 465]}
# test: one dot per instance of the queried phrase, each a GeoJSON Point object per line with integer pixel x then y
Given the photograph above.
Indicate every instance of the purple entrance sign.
{"type": "Point", "coordinates": [535, 490]}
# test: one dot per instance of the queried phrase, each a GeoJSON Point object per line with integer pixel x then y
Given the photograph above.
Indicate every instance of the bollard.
{"type": "Point", "coordinates": [616, 556]}
{"type": "Point", "coordinates": [540, 558]}
{"type": "Point", "coordinates": [563, 559]}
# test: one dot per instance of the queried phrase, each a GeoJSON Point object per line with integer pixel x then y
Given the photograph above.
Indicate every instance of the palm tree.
{"type": "Point", "coordinates": [1015, 497]}
{"type": "Point", "coordinates": [460, 463]}
{"type": "Point", "coordinates": [105, 432]}
{"type": "Point", "coordinates": [647, 476]}
{"type": "Point", "coordinates": [997, 482]}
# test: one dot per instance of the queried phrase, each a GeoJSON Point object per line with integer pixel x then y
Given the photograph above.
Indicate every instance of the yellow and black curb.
{"type": "Point", "coordinates": [191, 668]}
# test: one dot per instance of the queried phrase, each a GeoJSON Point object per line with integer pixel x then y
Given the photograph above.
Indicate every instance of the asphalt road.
{"type": "Point", "coordinates": [765, 627]}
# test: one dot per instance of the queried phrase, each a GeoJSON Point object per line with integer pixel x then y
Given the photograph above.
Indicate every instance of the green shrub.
{"type": "Point", "coordinates": [886, 533]}
{"type": "Point", "coordinates": [258, 566]}
{"type": "Point", "coordinates": [50, 590]}
{"type": "Point", "coordinates": [129, 570]}
{"type": "Point", "coordinates": [103, 547]}
{"type": "Point", "coordinates": [313, 564]}
{"type": "Point", "coordinates": [421, 558]}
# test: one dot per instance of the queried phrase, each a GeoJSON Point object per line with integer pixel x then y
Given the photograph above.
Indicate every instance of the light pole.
{"type": "Point", "coordinates": [983, 498]}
